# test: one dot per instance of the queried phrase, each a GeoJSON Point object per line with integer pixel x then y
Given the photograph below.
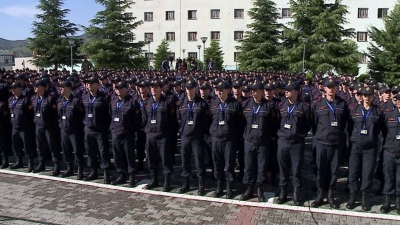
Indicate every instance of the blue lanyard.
{"type": "Point", "coordinates": [190, 108]}
{"type": "Point", "coordinates": [118, 106]}
{"type": "Point", "coordinates": [222, 108]}
{"type": "Point", "coordinates": [153, 110]}
{"type": "Point", "coordinates": [141, 103]}
{"type": "Point", "coordinates": [91, 101]}
{"type": "Point", "coordinates": [65, 103]}
{"type": "Point", "coordinates": [14, 103]}
{"type": "Point", "coordinates": [365, 117]}
{"type": "Point", "coordinates": [290, 111]}
{"type": "Point", "coordinates": [255, 112]}
{"type": "Point", "coordinates": [39, 104]}
{"type": "Point", "coordinates": [332, 109]}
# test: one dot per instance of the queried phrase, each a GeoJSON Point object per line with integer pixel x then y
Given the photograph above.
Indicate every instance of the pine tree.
{"type": "Point", "coordinates": [161, 54]}
{"type": "Point", "coordinates": [319, 28]}
{"type": "Point", "coordinates": [111, 36]}
{"type": "Point", "coordinates": [215, 52]}
{"type": "Point", "coordinates": [51, 31]}
{"type": "Point", "coordinates": [383, 51]}
{"type": "Point", "coordinates": [259, 48]}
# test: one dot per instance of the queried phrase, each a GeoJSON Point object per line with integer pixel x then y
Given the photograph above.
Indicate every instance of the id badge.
{"type": "Point", "coordinates": [333, 124]}
{"type": "Point", "coordinates": [398, 137]}
{"type": "Point", "coordinates": [254, 126]}
{"type": "Point", "coordinates": [63, 117]}
{"type": "Point", "coordinates": [363, 131]}
{"type": "Point", "coordinates": [90, 115]}
{"type": "Point", "coordinates": [287, 126]}
{"type": "Point", "coordinates": [221, 123]}
{"type": "Point", "coordinates": [12, 115]}
{"type": "Point", "coordinates": [190, 122]}
{"type": "Point", "coordinates": [116, 119]}
{"type": "Point", "coordinates": [153, 121]}
{"type": "Point", "coordinates": [38, 115]}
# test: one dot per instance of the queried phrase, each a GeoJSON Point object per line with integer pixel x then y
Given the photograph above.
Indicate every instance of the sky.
{"type": "Point", "coordinates": [16, 16]}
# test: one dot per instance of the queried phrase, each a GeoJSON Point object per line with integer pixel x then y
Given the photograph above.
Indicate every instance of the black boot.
{"type": "Point", "coordinates": [398, 204]}
{"type": "Point", "coordinates": [331, 199]}
{"type": "Point", "coordinates": [385, 208]}
{"type": "Point", "coordinates": [282, 195]}
{"type": "Point", "coordinates": [120, 180]}
{"type": "Point", "coordinates": [5, 163]}
{"type": "Point", "coordinates": [19, 164]}
{"type": "Point", "coordinates": [200, 189]}
{"type": "Point", "coordinates": [185, 185]}
{"type": "Point", "coordinates": [364, 203]}
{"type": "Point", "coordinates": [319, 200]}
{"type": "Point", "coordinates": [351, 204]}
{"type": "Point", "coordinates": [248, 194]}
{"type": "Point", "coordinates": [260, 193]}
{"type": "Point", "coordinates": [154, 181]}
{"type": "Point", "coordinates": [229, 192]}
{"type": "Point", "coordinates": [219, 191]}
{"type": "Point", "coordinates": [380, 188]}
{"type": "Point", "coordinates": [69, 172]}
{"type": "Point", "coordinates": [297, 197]}
{"type": "Point", "coordinates": [30, 166]}
{"type": "Point", "coordinates": [56, 170]}
{"type": "Point", "coordinates": [80, 173]}
{"type": "Point", "coordinates": [107, 179]}
{"type": "Point", "coordinates": [93, 175]}
{"type": "Point", "coordinates": [167, 183]}
{"type": "Point", "coordinates": [41, 167]}
{"type": "Point", "coordinates": [132, 181]}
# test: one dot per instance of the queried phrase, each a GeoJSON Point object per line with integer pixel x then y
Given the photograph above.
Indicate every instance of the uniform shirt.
{"type": "Point", "coordinates": [294, 120]}
{"type": "Point", "coordinates": [125, 116]}
{"type": "Point", "coordinates": [329, 127]}
{"type": "Point", "coordinates": [159, 116]}
{"type": "Point", "coordinates": [364, 125]}
{"type": "Point", "coordinates": [193, 118]}
{"type": "Point", "coordinates": [5, 120]}
{"type": "Point", "coordinates": [226, 117]}
{"type": "Point", "coordinates": [345, 96]}
{"type": "Point", "coordinates": [259, 121]}
{"type": "Point", "coordinates": [71, 114]}
{"type": "Point", "coordinates": [21, 112]}
{"type": "Point", "coordinates": [391, 132]}
{"type": "Point", "coordinates": [97, 115]}
{"type": "Point", "coordinates": [106, 88]}
{"type": "Point", "coordinates": [45, 110]}
{"type": "Point", "coordinates": [305, 93]}
{"type": "Point", "coordinates": [387, 106]}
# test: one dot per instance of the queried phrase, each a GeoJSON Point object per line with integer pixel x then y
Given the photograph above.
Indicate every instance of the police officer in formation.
{"type": "Point", "coordinates": [263, 130]}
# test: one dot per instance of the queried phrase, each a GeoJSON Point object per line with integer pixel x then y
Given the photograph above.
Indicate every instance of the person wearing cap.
{"type": "Point", "coordinates": [159, 116]}
{"type": "Point", "coordinates": [132, 90]}
{"type": "Point", "coordinates": [226, 114]}
{"type": "Point", "coordinates": [194, 120]}
{"type": "Point", "coordinates": [345, 92]}
{"type": "Point", "coordinates": [306, 91]}
{"type": "Point", "coordinates": [364, 127]}
{"type": "Point", "coordinates": [391, 155]}
{"type": "Point", "coordinates": [96, 121]}
{"type": "Point", "coordinates": [205, 91]}
{"type": "Point", "coordinates": [126, 120]}
{"type": "Point", "coordinates": [144, 95]}
{"type": "Point", "coordinates": [46, 120]}
{"type": "Point", "coordinates": [179, 93]}
{"type": "Point", "coordinates": [294, 121]}
{"type": "Point", "coordinates": [259, 126]}
{"type": "Point", "coordinates": [105, 85]}
{"type": "Point", "coordinates": [70, 121]}
{"type": "Point", "coordinates": [23, 132]}
{"type": "Point", "coordinates": [331, 117]}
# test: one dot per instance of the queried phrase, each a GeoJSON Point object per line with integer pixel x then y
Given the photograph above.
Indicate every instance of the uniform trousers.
{"type": "Point", "coordinates": [155, 148]}
{"type": "Point", "coordinates": [327, 162]}
{"type": "Point", "coordinates": [391, 169]}
{"type": "Point", "coordinates": [140, 145]}
{"type": "Point", "coordinates": [361, 166]}
{"type": "Point", "coordinates": [24, 140]}
{"type": "Point", "coordinates": [255, 159]}
{"type": "Point", "coordinates": [224, 155]}
{"type": "Point", "coordinates": [96, 143]}
{"type": "Point", "coordinates": [195, 146]}
{"type": "Point", "coordinates": [73, 143]}
{"type": "Point", "coordinates": [123, 147]}
{"type": "Point", "coordinates": [46, 140]}
{"type": "Point", "coordinates": [290, 155]}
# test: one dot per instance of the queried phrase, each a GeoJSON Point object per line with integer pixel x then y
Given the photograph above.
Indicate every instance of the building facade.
{"type": "Point", "coordinates": [184, 22]}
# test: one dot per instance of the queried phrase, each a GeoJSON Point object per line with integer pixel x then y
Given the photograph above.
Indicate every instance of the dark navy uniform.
{"type": "Point", "coordinates": [5, 134]}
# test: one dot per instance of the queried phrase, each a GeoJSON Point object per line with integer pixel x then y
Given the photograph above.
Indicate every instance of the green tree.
{"type": "Point", "coordinates": [161, 54]}
{"type": "Point", "coordinates": [111, 36]}
{"type": "Point", "coordinates": [383, 52]}
{"type": "Point", "coordinates": [51, 31]}
{"type": "Point", "coordinates": [259, 48]}
{"type": "Point", "coordinates": [318, 28]}
{"type": "Point", "coordinates": [215, 52]}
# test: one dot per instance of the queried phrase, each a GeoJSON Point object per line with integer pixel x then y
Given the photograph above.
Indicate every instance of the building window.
{"type": "Point", "coordinates": [192, 14]}
{"type": "Point", "coordinates": [382, 12]}
{"type": "Point", "coordinates": [235, 56]}
{"type": "Point", "coordinates": [128, 15]}
{"type": "Point", "coordinates": [286, 13]}
{"type": "Point", "coordinates": [192, 36]}
{"type": "Point", "coordinates": [363, 58]}
{"type": "Point", "coordinates": [148, 54]}
{"type": "Point", "coordinates": [170, 15]}
{"type": "Point", "coordinates": [238, 35]}
{"type": "Point", "coordinates": [215, 13]}
{"type": "Point", "coordinates": [362, 12]}
{"type": "Point", "coordinates": [239, 13]}
{"type": "Point", "coordinates": [148, 16]}
{"type": "Point", "coordinates": [192, 55]}
{"type": "Point", "coordinates": [170, 36]}
{"type": "Point", "coordinates": [215, 35]}
{"type": "Point", "coordinates": [148, 37]}
{"type": "Point", "coordinates": [362, 36]}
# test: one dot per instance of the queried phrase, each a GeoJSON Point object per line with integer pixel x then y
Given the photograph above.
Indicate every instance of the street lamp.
{"type": "Point", "coordinates": [204, 39]}
{"type": "Point", "coordinates": [237, 53]}
{"type": "Point", "coordinates": [71, 45]}
{"type": "Point", "coordinates": [199, 47]}
{"type": "Point", "coordinates": [304, 52]}
{"type": "Point", "coordinates": [183, 51]}
{"type": "Point", "coordinates": [148, 40]}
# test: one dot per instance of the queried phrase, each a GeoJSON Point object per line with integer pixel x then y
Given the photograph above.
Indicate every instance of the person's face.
{"type": "Point", "coordinates": [367, 98]}
{"type": "Point", "coordinates": [191, 92]}
{"type": "Point", "coordinates": [204, 92]}
{"type": "Point", "coordinates": [93, 86]}
{"type": "Point", "coordinates": [330, 90]}
{"type": "Point", "coordinates": [290, 93]}
{"type": "Point", "coordinates": [386, 96]}
{"type": "Point", "coordinates": [358, 97]}
{"type": "Point", "coordinates": [39, 89]}
{"type": "Point", "coordinates": [222, 93]}
{"type": "Point", "coordinates": [177, 88]}
{"type": "Point", "coordinates": [398, 103]}
{"type": "Point", "coordinates": [65, 90]}
{"type": "Point", "coordinates": [155, 90]}
{"type": "Point", "coordinates": [394, 93]}
{"type": "Point", "coordinates": [121, 91]}
{"type": "Point", "coordinates": [345, 88]}
{"type": "Point", "coordinates": [236, 90]}
{"type": "Point", "coordinates": [256, 93]}
{"type": "Point", "coordinates": [144, 90]}
{"type": "Point", "coordinates": [268, 93]}
{"type": "Point", "coordinates": [17, 91]}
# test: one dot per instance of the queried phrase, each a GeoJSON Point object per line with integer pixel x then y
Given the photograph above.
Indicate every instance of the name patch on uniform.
{"type": "Point", "coordinates": [63, 117]}
{"type": "Point", "coordinates": [116, 119]}
{"type": "Point", "coordinates": [190, 122]}
{"type": "Point", "coordinates": [333, 124]}
{"type": "Point", "coordinates": [38, 115]}
{"type": "Point", "coordinates": [153, 121]}
{"type": "Point", "coordinates": [12, 115]}
{"type": "Point", "coordinates": [287, 126]}
{"type": "Point", "coordinates": [254, 126]}
{"type": "Point", "coordinates": [90, 115]}
{"type": "Point", "coordinates": [221, 123]}
{"type": "Point", "coordinates": [398, 137]}
{"type": "Point", "coordinates": [363, 131]}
